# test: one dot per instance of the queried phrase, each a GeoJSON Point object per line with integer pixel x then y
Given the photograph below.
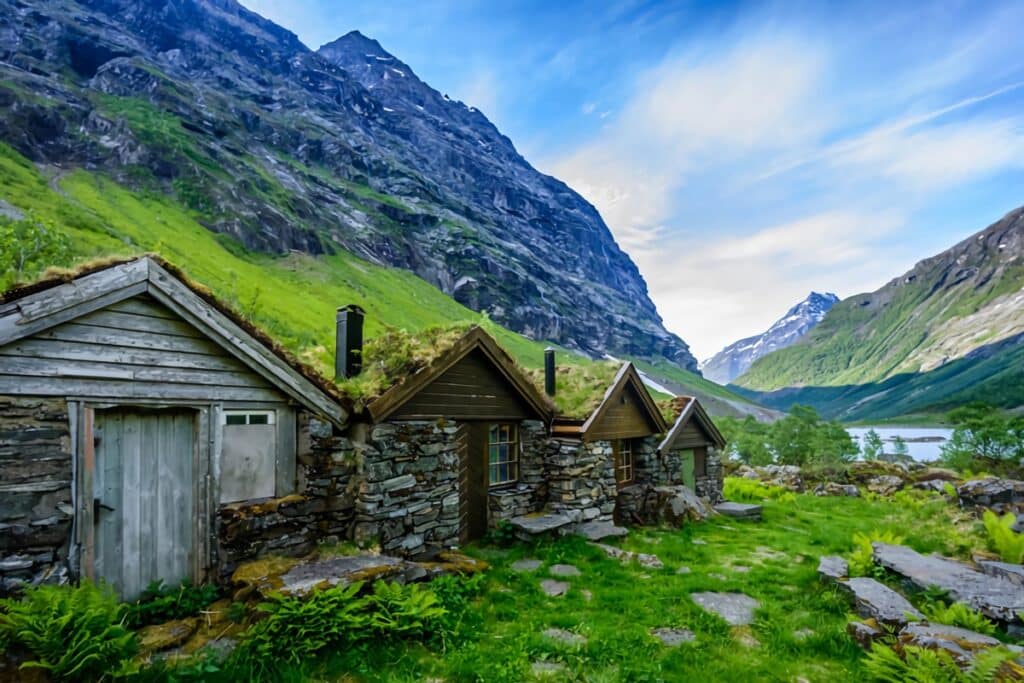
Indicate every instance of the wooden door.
{"type": "Point", "coordinates": [687, 458]}
{"type": "Point", "coordinates": [473, 494]}
{"type": "Point", "coordinates": [143, 500]}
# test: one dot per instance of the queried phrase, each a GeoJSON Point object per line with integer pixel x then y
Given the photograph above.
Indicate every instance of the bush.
{"type": "Point", "coordinates": [801, 438]}
{"type": "Point", "coordinates": [984, 438]}
{"type": "Point", "coordinates": [160, 603]}
{"type": "Point", "coordinates": [752, 491]}
{"type": "Point", "coordinates": [921, 665]}
{"type": "Point", "coordinates": [73, 633]}
{"type": "Point", "coordinates": [1002, 538]}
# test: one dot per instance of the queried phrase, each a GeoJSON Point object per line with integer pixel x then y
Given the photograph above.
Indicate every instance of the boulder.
{"type": "Point", "coordinates": [997, 598]}
{"type": "Point", "coordinates": [998, 495]}
{"type": "Point", "coordinates": [833, 489]}
{"type": "Point", "coordinates": [676, 505]}
{"type": "Point", "coordinates": [833, 568]}
{"type": "Point", "coordinates": [884, 484]}
{"type": "Point", "coordinates": [877, 601]}
{"type": "Point", "coordinates": [787, 476]}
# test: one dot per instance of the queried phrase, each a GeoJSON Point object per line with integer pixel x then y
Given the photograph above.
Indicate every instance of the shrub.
{"type": "Point", "coordinates": [1002, 538]}
{"type": "Point", "coordinates": [160, 603]}
{"type": "Point", "coordinates": [985, 438]}
{"type": "Point", "coordinates": [751, 490]}
{"type": "Point", "coordinates": [861, 559]}
{"type": "Point", "coordinates": [73, 633]}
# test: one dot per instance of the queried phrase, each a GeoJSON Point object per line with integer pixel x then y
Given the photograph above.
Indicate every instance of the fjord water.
{"type": "Point", "coordinates": [923, 443]}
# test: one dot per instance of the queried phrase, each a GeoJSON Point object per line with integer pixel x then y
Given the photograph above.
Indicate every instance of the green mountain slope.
{"type": "Point", "coordinates": [949, 327]}
{"type": "Point", "coordinates": [79, 216]}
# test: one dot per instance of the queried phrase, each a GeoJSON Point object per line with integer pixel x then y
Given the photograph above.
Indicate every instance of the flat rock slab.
{"type": "Point", "coordinates": [673, 637]}
{"type": "Point", "coordinates": [307, 577]}
{"type": "Point", "coordinates": [1003, 570]}
{"type": "Point", "coordinates": [547, 670]}
{"type": "Point", "coordinates": [739, 510]}
{"type": "Point", "coordinates": [537, 525]}
{"type": "Point", "coordinates": [563, 570]}
{"type": "Point", "coordinates": [554, 588]}
{"type": "Point", "coordinates": [643, 559]}
{"type": "Point", "coordinates": [565, 637]}
{"type": "Point", "coordinates": [597, 531]}
{"type": "Point", "coordinates": [736, 608]}
{"type": "Point", "coordinates": [996, 597]}
{"type": "Point", "coordinates": [833, 568]}
{"type": "Point", "coordinates": [526, 565]}
{"type": "Point", "coordinates": [960, 643]}
{"type": "Point", "coordinates": [879, 602]}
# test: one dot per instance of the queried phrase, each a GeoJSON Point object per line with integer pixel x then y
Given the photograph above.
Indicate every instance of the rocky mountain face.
{"type": "Point", "coordinates": [735, 359]}
{"type": "Point", "coordinates": [284, 148]}
{"type": "Point", "coordinates": [955, 319]}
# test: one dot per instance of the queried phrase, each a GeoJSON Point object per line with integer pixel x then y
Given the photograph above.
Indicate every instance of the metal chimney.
{"type": "Point", "coordinates": [348, 350]}
{"type": "Point", "coordinates": [549, 371]}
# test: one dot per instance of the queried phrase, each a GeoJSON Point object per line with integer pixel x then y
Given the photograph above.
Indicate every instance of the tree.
{"type": "Point", "coordinates": [29, 246]}
{"type": "Point", "coordinates": [872, 447]}
{"type": "Point", "coordinates": [983, 437]}
{"type": "Point", "coordinates": [900, 448]}
{"type": "Point", "coordinates": [802, 438]}
{"type": "Point", "coordinates": [747, 440]}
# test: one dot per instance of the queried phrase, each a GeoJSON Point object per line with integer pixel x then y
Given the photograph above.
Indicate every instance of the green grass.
{"type": "Point", "coordinates": [800, 627]}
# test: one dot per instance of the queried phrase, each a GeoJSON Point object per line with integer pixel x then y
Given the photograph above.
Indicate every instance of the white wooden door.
{"type": "Point", "coordinates": [143, 498]}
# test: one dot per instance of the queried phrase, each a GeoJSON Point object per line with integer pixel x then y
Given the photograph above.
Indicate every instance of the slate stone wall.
{"type": "Point", "coordinates": [710, 485]}
{"type": "Point", "coordinates": [321, 509]}
{"type": "Point", "coordinates": [531, 492]}
{"type": "Point", "coordinates": [581, 479]}
{"type": "Point", "coordinates": [35, 491]}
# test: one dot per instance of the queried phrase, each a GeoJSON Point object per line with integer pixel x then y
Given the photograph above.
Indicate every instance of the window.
{"type": "Point", "coordinates": [624, 461]}
{"type": "Point", "coordinates": [248, 455]}
{"type": "Point", "coordinates": [238, 417]}
{"type": "Point", "coordinates": [502, 454]}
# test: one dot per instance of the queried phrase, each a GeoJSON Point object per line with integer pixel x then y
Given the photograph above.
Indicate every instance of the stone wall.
{"type": "Point", "coordinates": [710, 485]}
{"type": "Point", "coordinates": [531, 492]}
{"type": "Point", "coordinates": [321, 509]}
{"type": "Point", "coordinates": [581, 479]}
{"type": "Point", "coordinates": [35, 491]}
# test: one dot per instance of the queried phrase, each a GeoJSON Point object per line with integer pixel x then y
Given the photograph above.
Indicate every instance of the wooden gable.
{"type": "Point", "coordinates": [475, 380]}
{"type": "Point", "coordinates": [692, 429]}
{"type": "Point", "coordinates": [136, 327]}
{"type": "Point", "coordinates": [627, 410]}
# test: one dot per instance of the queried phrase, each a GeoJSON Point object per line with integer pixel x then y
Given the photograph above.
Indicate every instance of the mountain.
{"type": "Point", "coordinates": [280, 149]}
{"type": "Point", "coordinates": [951, 329]}
{"type": "Point", "coordinates": [735, 359]}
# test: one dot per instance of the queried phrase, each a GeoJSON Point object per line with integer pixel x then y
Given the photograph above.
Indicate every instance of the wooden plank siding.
{"type": "Point", "coordinates": [472, 389]}
{"type": "Point", "coordinates": [129, 350]}
{"type": "Point", "coordinates": [692, 436]}
{"type": "Point", "coordinates": [624, 417]}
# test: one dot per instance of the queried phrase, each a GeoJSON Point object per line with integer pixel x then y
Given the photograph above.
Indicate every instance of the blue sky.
{"type": "Point", "coordinates": [742, 153]}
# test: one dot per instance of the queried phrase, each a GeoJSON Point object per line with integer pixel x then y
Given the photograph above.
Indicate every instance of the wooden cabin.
{"type": "Point", "coordinates": [691, 449]}
{"type": "Point", "coordinates": [612, 448]}
{"type": "Point", "coordinates": [133, 411]}
{"type": "Point", "coordinates": [445, 446]}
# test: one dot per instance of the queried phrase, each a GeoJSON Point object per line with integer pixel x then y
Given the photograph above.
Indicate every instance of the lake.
{"type": "Point", "coordinates": [923, 443]}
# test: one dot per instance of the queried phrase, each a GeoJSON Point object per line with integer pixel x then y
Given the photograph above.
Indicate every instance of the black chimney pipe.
{"type": "Point", "coordinates": [348, 350]}
{"type": "Point", "coordinates": [549, 371]}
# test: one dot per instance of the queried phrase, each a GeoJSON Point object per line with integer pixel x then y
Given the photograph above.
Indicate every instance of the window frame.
{"type": "Point", "coordinates": [270, 415]}
{"type": "Point", "coordinates": [512, 453]}
{"type": "Point", "coordinates": [625, 462]}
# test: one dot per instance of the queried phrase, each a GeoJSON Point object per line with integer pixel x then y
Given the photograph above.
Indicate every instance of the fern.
{"type": "Point", "coordinates": [403, 611]}
{"type": "Point", "coordinates": [73, 633]}
{"type": "Point", "coordinates": [1002, 538]}
{"type": "Point", "coordinates": [922, 665]}
{"type": "Point", "coordinates": [959, 614]}
{"type": "Point", "coordinates": [862, 560]}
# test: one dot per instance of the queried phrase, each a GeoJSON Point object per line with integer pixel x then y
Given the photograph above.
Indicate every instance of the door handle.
{"type": "Point", "coordinates": [98, 505]}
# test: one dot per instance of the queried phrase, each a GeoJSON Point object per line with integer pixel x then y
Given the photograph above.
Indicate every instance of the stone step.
{"type": "Point", "coordinates": [598, 531]}
{"type": "Point", "coordinates": [539, 524]}
{"type": "Point", "coordinates": [879, 602]}
{"type": "Point", "coordinates": [1003, 570]}
{"type": "Point", "coordinates": [739, 510]}
{"type": "Point", "coordinates": [996, 597]}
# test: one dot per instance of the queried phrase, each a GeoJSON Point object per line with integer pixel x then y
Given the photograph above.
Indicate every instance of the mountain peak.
{"type": "Point", "coordinates": [353, 42]}
{"type": "Point", "coordinates": [735, 359]}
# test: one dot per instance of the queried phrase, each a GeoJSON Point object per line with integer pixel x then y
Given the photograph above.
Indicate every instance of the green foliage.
{"type": "Point", "coordinates": [73, 633]}
{"type": "Point", "coordinates": [460, 620]}
{"type": "Point", "coordinates": [801, 438]}
{"type": "Point", "coordinates": [159, 602]}
{"type": "Point", "coordinates": [398, 611]}
{"type": "Point", "coordinates": [984, 437]}
{"type": "Point", "coordinates": [872, 446]}
{"type": "Point", "coordinates": [958, 614]}
{"type": "Point", "coordinates": [861, 561]}
{"type": "Point", "coordinates": [1002, 538]}
{"type": "Point", "coordinates": [752, 490]}
{"type": "Point", "coordinates": [900, 448]}
{"type": "Point", "coordinates": [29, 246]}
{"type": "Point", "coordinates": [922, 665]}
{"type": "Point", "coordinates": [503, 534]}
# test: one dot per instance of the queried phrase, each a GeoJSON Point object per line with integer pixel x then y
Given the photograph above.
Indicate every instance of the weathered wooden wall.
{"type": "Point", "coordinates": [624, 418]}
{"type": "Point", "coordinates": [472, 389]}
{"type": "Point", "coordinates": [133, 349]}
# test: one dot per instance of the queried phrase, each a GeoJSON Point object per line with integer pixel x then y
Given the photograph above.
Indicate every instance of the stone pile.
{"type": "Point", "coordinates": [999, 495]}
{"type": "Point", "coordinates": [657, 505]}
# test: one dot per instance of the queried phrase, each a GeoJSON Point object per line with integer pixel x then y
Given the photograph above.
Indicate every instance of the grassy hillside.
{"type": "Point", "coordinates": [293, 297]}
